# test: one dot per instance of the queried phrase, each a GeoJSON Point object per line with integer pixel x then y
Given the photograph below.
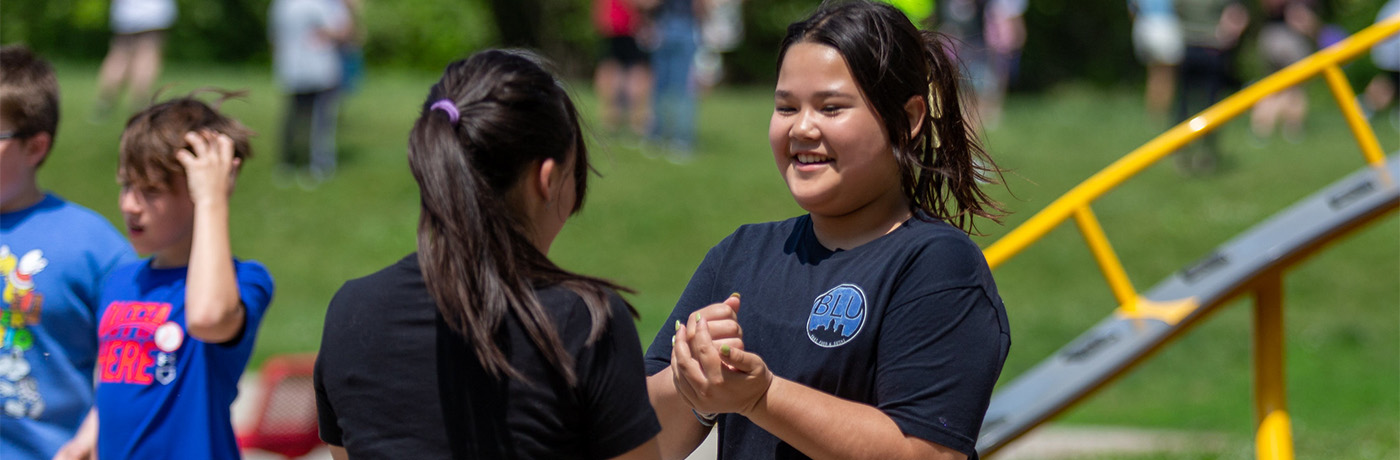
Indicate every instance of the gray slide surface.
{"type": "Point", "coordinates": [1116, 343]}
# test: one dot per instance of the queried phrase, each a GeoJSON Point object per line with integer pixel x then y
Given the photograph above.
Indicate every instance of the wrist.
{"type": "Point", "coordinates": [211, 203]}
{"type": "Point", "coordinates": [761, 401]}
{"type": "Point", "coordinates": [706, 419]}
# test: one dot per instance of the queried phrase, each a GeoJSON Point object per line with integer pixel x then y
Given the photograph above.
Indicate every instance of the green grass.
{"type": "Point", "coordinates": [648, 223]}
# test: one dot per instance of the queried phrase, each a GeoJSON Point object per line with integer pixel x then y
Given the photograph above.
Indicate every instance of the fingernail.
{"type": "Point", "coordinates": [734, 295]}
{"type": "Point", "coordinates": [673, 340]}
{"type": "Point", "coordinates": [678, 325]}
{"type": "Point", "coordinates": [724, 350]}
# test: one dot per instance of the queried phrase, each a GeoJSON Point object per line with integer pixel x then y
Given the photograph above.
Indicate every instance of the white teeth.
{"type": "Point", "coordinates": [808, 158]}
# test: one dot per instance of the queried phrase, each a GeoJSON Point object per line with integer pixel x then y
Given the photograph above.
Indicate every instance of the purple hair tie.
{"type": "Point", "coordinates": [446, 105]}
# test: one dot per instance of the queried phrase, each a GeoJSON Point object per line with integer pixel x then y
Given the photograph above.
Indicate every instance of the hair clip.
{"type": "Point", "coordinates": [935, 111]}
{"type": "Point", "coordinates": [446, 105]}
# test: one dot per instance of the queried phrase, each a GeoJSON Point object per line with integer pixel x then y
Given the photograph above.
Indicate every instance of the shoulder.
{"type": "Point", "coordinates": [89, 226]}
{"type": "Point", "coordinates": [404, 272]}
{"type": "Point", "coordinates": [398, 283]}
{"type": "Point", "coordinates": [574, 319]}
{"type": "Point", "coordinates": [749, 237]}
{"type": "Point", "coordinates": [943, 253]}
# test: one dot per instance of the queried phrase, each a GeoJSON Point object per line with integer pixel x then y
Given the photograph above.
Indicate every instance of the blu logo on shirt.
{"type": "Point", "coordinates": [837, 316]}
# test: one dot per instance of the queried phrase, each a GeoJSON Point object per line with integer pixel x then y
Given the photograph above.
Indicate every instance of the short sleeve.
{"type": "Point", "coordinates": [698, 293]}
{"type": "Point", "coordinates": [613, 387]}
{"type": "Point", "coordinates": [939, 355]}
{"type": "Point", "coordinates": [327, 421]}
{"type": "Point", "coordinates": [255, 293]}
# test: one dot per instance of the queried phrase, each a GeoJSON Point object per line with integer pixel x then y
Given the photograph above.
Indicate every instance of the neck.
{"type": "Point", "coordinates": [172, 257]}
{"type": "Point", "coordinates": [30, 196]}
{"type": "Point", "coordinates": [861, 226]}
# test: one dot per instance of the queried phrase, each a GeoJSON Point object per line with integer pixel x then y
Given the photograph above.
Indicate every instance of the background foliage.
{"type": "Point", "coordinates": [1067, 39]}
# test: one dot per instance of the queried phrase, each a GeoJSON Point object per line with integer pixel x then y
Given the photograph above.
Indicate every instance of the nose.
{"type": "Point", "coordinates": [804, 128]}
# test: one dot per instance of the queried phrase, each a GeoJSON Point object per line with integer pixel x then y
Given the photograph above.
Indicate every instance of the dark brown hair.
{"type": "Point", "coordinates": [476, 258]}
{"type": "Point", "coordinates": [893, 61]}
{"type": "Point", "coordinates": [28, 92]}
{"type": "Point", "coordinates": [152, 136]}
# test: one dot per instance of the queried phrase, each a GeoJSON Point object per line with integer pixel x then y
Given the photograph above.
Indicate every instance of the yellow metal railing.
{"type": "Point", "coordinates": [1075, 203]}
{"type": "Point", "coordinates": [1273, 435]}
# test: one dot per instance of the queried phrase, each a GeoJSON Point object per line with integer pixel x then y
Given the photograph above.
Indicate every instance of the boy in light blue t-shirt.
{"type": "Point", "coordinates": [53, 257]}
{"type": "Point", "coordinates": [176, 330]}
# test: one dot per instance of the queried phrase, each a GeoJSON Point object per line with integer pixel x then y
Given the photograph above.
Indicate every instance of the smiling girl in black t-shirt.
{"type": "Point", "coordinates": [871, 327]}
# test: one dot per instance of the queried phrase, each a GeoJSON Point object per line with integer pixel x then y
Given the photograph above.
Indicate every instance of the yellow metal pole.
{"type": "Point", "coordinates": [1108, 261]}
{"type": "Point", "coordinates": [1273, 438]}
{"type": "Point", "coordinates": [1360, 128]}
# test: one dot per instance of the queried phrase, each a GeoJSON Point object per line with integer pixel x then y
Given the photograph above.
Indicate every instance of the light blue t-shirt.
{"type": "Point", "coordinates": [161, 393]}
{"type": "Point", "coordinates": [53, 258]}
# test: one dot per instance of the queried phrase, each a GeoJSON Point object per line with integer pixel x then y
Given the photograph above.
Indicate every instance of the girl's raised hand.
{"type": "Point", "coordinates": [210, 166]}
{"type": "Point", "coordinates": [705, 377]}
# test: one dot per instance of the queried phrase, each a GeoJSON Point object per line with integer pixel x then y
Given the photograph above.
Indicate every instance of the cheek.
{"type": "Point", "coordinates": [778, 136]}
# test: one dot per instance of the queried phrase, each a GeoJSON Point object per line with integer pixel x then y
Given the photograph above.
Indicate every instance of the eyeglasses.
{"type": "Point", "coordinates": [9, 135]}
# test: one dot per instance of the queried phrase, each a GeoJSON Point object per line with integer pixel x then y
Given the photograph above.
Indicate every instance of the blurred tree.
{"type": "Point", "coordinates": [1067, 39]}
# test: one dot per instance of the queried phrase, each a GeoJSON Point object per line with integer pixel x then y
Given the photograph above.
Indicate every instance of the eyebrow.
{"type": "Point", "coordinates": [819, 94]}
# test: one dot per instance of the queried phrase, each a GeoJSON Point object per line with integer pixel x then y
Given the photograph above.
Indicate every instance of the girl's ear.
{"type": "Point", "coordinates": [544, 181]}
{"type": "Point", "coordinates": [916, 109]}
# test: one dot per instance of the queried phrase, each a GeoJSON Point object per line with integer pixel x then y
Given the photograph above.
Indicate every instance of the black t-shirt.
{"type": "Point", "coordinates": [393, 381]}
{"type": "Point", "coordinates": [909, 323]}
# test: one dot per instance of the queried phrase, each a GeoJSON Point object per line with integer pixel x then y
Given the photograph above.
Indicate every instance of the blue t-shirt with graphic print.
{"type": "Point", "coordinates": [162, 393]}
{"type": "Point", "coordinates": [53, 258]}
{"type": "Point", "coordinates": [910, 323]}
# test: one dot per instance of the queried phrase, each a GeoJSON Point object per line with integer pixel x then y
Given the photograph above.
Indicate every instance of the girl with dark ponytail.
{"type": "Point", "coordinates": [872, 327]}
{"type": "Point", "coordinates": [479, 346]}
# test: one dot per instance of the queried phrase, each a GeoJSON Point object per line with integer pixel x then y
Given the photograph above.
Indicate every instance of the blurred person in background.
{"type": "Point", "coordinates": [721, 32]}
{"type": "Point", "coordinates": [989, 36]}
{"type": "Point", "coordinates": [1005, 32]}
{"type": "Point", "coordinates": [306, 37]}
{"type": "Point", "coordinates": [134, 58]}
{"type": "Point", "coordinates": [1158, 44]}
{"type": "Point", "coordinates": [673, 107]}
{"type": "Point", "coordinates": [1380, 92]}
{"type": "Point", "coordinates": [622, 78]}
{"type": "Point", "coordinates": [1212, 30]}
{"type": "Point", "coordinates": [1286, 36]}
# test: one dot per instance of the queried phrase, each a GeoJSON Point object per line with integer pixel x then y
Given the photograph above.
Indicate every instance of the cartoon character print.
{"type": "Point", "coordinates": [21, 307]}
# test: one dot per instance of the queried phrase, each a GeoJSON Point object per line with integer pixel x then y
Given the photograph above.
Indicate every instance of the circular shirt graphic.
{"type": "Point", "coordinates": [169, 336]}
{"type": "Point", "coordinates": [837, 316]}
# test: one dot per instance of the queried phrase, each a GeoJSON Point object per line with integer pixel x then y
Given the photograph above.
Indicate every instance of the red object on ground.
{"type": "Point", "coordinates": [285, 418]}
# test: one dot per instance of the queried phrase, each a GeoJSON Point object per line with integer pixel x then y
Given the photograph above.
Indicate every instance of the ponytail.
{"type": "Point", "coordinates": [502, 113]}
{"type": "Point", "coordinates": [947, 159]}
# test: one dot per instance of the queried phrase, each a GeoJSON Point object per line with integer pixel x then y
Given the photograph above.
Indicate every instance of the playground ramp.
{"type": "Point", "coordinates": [1118, 342]}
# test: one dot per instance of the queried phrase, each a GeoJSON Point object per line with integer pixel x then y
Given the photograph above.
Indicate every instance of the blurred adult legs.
{"type": "Point", "coordinates": [134, 61]}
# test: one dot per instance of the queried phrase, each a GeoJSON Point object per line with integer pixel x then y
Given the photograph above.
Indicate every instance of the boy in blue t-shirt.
{"type": "Point", "coordinates": [53, 257]}
{"type": "Point", "coordinates": [177, 329]}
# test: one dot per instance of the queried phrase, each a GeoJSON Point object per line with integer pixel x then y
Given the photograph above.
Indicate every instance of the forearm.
{"type": "Point", "coordinates": [213, 311]}
{"type": "Point", "coordinates": [681, 433]}
{"type": "Point", "coordinates": [825, 426]}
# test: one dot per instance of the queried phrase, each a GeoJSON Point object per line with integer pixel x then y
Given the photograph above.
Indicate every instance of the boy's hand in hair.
{"type": "Point", "coordinates": [213, 309]}
{"type": "Point", "coordinates": [210, 167]}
